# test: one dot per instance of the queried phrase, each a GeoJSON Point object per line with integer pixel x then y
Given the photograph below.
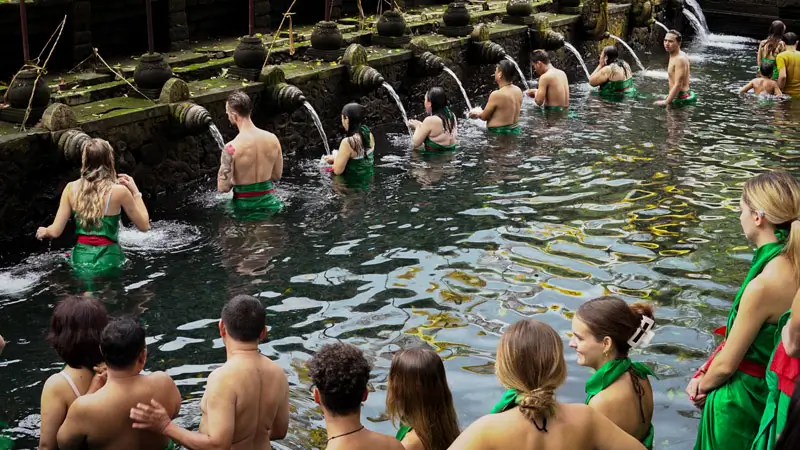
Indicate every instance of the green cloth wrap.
{"type": "Point", "coordinates": [514, 129]}
{"type": "Point", "coordinates": [98, 260]}
{"type": "Point", "coordinates": [685, 98]}
{"type": "Point", "coordinates": [433, 147]}
{"type": "Point", "coordinates": [774, 63]}
{"type": "Point", "coordinates": [402, 432]}
{"type": "Point", "coordinates": [622, 88]}
{"type": "Point", "coordinates": [257, 207]}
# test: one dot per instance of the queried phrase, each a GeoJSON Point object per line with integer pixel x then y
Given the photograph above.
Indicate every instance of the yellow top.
{"type": "Point", "coordinates": [790, 60]}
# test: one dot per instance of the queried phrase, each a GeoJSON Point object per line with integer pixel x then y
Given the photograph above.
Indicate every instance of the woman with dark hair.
{"type": "Point", "coordinates": [603, 332]}
{"type": "Point", "coordinates": [612, 75]}
{"type": "Point", "coordinates": [419, 399]}
{"type": "Point", "coordinates": [74, 334]}
{"type": "Point", "coordinates": [769, 48]}
{"type": "Point", "coordinates": [355, 154]}
{"type": "Point", "coordinates": [96, 201]}
{"type": "Point", "coordinates": [438, 131]}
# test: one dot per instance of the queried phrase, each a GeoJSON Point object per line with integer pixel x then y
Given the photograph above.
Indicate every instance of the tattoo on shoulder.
{"type": "Point", "coordinates": [225, 164]}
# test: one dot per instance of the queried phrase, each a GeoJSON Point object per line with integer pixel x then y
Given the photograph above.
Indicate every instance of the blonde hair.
{"type": "Point", "coordinates": [530, 360]}
{"type": "Point", "coordinates": [776, 196]}
{"type": "Point", "coordinates": [418, 396]}
{"type": "Point", "coordinates": [98, 176]}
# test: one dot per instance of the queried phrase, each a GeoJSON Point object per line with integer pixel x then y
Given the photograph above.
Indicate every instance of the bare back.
{"type": "Point", "coordinates": [679, 71]}
{"type": "Point", "coordinates": [557, 87]}
{"type": "Point", "coordinates": [257, 157]}
{"type": "Point", "coordinates": [505, 104]}
{"type": "Point", "coordinates": [365, 440]}
{"type": "Point", "coordinates": [620, 403]}
{"type": "Point", "coordinates": [765, 86]}
{"type": "Point", "coordinates": [256, 391]}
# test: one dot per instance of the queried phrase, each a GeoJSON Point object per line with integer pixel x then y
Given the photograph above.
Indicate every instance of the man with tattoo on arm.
{"type": "Point", "coordinates": [250, 163]}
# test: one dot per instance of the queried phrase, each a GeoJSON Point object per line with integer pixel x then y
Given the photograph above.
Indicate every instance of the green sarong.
{"type": "Point", "coordinates": [402, 432]}
{"type": "Point", "coordinates": [774, 63]}
{"type": "Point", "coordinates": [617, 89]}
{"type": "Point", "coordinates": [6, 442]}
{"type": "Point", "coordinates": [608, 374]}
{"type": "Point", "coordinates": [685, 98]}
{"type": "Point", "coordinates": [255, 201]}
{"type": "Point", "coordinates": [733, 411]}
{"type": "Point", "coordinates": [433, 147]}
{"type": "Point", "coordinates": [781, 377]}
{"type": "Point", "coordinates": [513, 130]}
{"type": "Point", "coordinates": [97, 251]}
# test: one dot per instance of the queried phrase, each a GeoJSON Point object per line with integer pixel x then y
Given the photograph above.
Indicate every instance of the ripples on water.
{"type": "Point", "coordinates": [620, 198]}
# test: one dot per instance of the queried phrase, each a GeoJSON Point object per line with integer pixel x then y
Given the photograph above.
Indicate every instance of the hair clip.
{"type": "Point", "coordinates": [644, 334]}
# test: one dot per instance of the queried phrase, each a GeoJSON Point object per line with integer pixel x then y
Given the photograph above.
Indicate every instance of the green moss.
{"type": "Point", "coordinates": [216, 63]}
{"type": "Point", "coordinates": [110, 107]}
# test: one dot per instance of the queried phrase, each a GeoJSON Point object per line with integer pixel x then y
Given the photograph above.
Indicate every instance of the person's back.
{"type": "Point", "coordinates": [503, 108]}
{"type": "Point", "coordinates": [766, 86]}
{"type": "Point", "coordinates": [788, 62]}
{"type": "Point", "coordinates": [257, 153]}
{"type": "Point", "coordinates": [365, 440]}
{"type": "Point", "coordinates": [618, 398]}
{"type": "Point", "coordinates": [508, 101]}
{"type": "Point", "coordinates": [558, 88]}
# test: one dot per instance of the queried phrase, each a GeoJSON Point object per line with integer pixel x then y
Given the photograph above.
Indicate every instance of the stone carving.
{"type": "Point", "coordinates": [71, 144]}
{"type": "Point", "coordinates": [595, 19]}
{"type": "Point", "coordinates": [641, 13]}
{"type": "Point", "coordinates": [151, 74]}
{"type": "Point", "coordinates": [174, 90]}
{"type": "Point", "coordinates": [59, 116]}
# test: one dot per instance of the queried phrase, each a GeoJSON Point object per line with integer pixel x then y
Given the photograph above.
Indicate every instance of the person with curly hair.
{"type": "Point", "coordinates": [340, 374]}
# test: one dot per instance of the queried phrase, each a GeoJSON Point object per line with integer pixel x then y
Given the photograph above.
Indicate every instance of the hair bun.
{"type": "Point", "coordinates": [644, 309]}
{"type": "Point", "coordinates": [538, 403]}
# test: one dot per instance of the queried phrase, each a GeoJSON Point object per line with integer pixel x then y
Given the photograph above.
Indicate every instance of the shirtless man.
{"type": "Point", "coordinates": [100, 421]}
{"type": "Point", "coordinates": [679, 71]}
{"type": "Point", "coordinates": [763, 84]}
{"type": "Point", "coordinates": [251, 162]}
{"type": "Point", "coordinates": [340, 374]}
{"type": "Point", "coordinates": [502, 110]}
{"type": "Point", "coordinates": [246, 403]}
{"type": "Point", "coordinates": [553, 91]}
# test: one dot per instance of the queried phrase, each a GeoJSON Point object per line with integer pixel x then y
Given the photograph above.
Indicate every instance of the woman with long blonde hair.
{"type": "Point", "coordinates": [530, 364]}
{"type": "Point", "coordinates": [731, 387]}
{"type": "Point", "coordinates": [96, 200]}
{"type": "Point", "coordinates": [419, 399]}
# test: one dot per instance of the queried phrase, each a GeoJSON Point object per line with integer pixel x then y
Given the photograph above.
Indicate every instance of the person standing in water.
{"type": "Point", "coordinates": [96, 200]}
{"type": "Point", "coordinates": [419, 399]}
{"type": "Point", "coordinates": [679, 71]}
{"type": "Point", "coordinates": [503, 108]}
{"type": "Point", "coordinates": [612, 75]}
{"type": "Point", "coordinates": [355, 158]}
{"type": "Point", "coordinates": [530, 364]}
{"type": "Point", "coordinates": [764, 84]}
{"type": "Point", "coordinates": [731, 387]}
{"type": "Point", "coordinates": [603, 332]}
{"type": "Point", "coordinates": [438, 132]}
{"type": "Point", "coordinates": [250, 163]}
{"type": "Point", "coordinates": [246, 403]}
{"type": "Point", "coordinates": [789, 67]}
{"type": "Point", "coordinates": [770, 47]}
{"type": "Point", "coordinates": [553, 91]}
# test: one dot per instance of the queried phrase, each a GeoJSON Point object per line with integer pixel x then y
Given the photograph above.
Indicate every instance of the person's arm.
{"type": "Point", "coordinates": [277, 168]}
{"type": "Point", "coordinates": [608, 436]}
{"type": "Point", "coordinates": [342, 157]}
{"type": "Point", "coordinates": [781, 63]}
{"type": "Point", "coordinates": [491, 107]}
{"type": "Point", "coordinates": [791, 332]}
{"type": "Point", "coordinates": [280, 425]}
{"type": "Point", "coordinates": [133, 204]}
{"type": "Point", "coordinates": [541, 93]}
{"type": "Point", "coordinates": [472, 438]}
{"type": "Point", "coordinates": [62, 217]}
{"type": "Point", "coordinates": [71, 435]}
{"type": "Point", "coordinates": [599, 76]}
{"type": "Point", "coordinates": [421, 131]}
{"type": "Point", "coordinates": [778, 90]}
{"type": "Point", "coordinates": [225, 174]}
{"type": "Point", "coordinates": [750, 318]}
{"type": "Point", "coordinates": [53, 412]}
{"type": "Point", "coordinates": [758, 56]}
{"type": "Point", "coordinates": [2, 344]}
{"type": "Point", "coordinates": [747, 88]}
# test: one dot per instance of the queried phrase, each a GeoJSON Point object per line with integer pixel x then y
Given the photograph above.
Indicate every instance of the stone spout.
{"type": "Point", "coordinates": [366, 77]}
{"type": "Point", "coordinates": [547, 39]}
{"type": "Point", "coordinates": [285, 96]}
{"type": "Point", "coordinates": [431, 64]}
{"type": "Point", "coordinates": [490, 52]}
{"type": "Point", "coordinates": [71, 144]}
{"type": "Point", "coordinates": [192, 116]}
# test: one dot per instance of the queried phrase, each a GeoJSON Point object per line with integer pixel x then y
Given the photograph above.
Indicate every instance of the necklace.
{"type": "Point", "coordinates": [345, 434]}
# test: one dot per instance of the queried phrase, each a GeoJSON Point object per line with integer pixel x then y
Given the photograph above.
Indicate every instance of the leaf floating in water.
{"type": "Point", "coordinates": [411, 273]}
{"type": "Point", "coordinates": [433, 287]}
{"type": "Point", "coordinates": [467, 279]}
{"type": "Point", "coordinates": [555, 307]}
{"type": "Point", "coordinates": [450, 296]}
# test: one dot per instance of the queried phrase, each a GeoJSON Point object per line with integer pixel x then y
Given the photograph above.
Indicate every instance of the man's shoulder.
{"type": "Point", "coordinates": [385, 442]}
{"type": "Point", "coordinates": [160, 379]}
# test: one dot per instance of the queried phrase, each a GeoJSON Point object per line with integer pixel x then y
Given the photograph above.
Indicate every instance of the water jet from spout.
{"type": "Point", "coordinates": [396, 98]}
{"type": "Point", "coordinates": [318, 124]}
{"type": "Point", "coordinates": [460, 86]}
{"type": "Point", "coordinates": [519, 71]}
{"type": "Point", "coordinates": [666, 30]}
{"type": "Point", "coordinates": [577, 54]}
{"type": "Point", "coordinates": [628, 47]}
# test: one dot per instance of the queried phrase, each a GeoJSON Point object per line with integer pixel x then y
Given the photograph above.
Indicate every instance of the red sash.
{"type": "Point", "coordinates": [751, 368]}
{"type": "Point", "coordinates": [252, 194]}
{"type": "Point", "coordinates": [686, 95]}
{"type": "Point", "coordinates": [787, 369]}
{"type": "Point", "coordinates": [96, 241]}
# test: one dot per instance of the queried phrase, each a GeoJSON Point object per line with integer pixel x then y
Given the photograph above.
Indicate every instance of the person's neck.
{"type": "Point", "coordinates": [605, 360]}
{"type": "Point", "coordinates": [339, 425]}
{"type": "Point", "coordinates": [122, 375]}
{"type": "Point", "coordinates": [766, 237]}
{"type": "Point", "coordinates": [792, 47]}
{"type": "Point", "coordinates": [675, 53]}
{"type": "Point", "coordinates": [245, 124]}
{"type": "Point", "coordinates": [503, 83]}
{"type": "Point", "coordinates": [235, 348]}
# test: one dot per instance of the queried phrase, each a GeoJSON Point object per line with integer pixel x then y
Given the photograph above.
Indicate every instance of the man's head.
{"type": "Point", "coordinates": [243, 319]}
{"type": "Point", "coordinates": [672, 41]}
{"type": "Point", "coordinates": [238, 107]}
{"type": "Point", "coordinates": [766, 68]}
{"type": "Point", "coordinates": [790, 39]}
{"type": "Point", "coordinates": [340, 373]}
{"type": "Point", "coordinates": [540, 61]}
{"type": "Point", "coordinates": [122, 344]}
{"type": "Point", "coordinates": [505, 72]}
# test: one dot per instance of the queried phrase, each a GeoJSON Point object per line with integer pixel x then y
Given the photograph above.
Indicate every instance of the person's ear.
{"type": "Point", "coordinates": [366, 394]}
{"type": "Point", "coordinates": [263, 334]}
{"type": "Point", "coordinates": [317, 397]}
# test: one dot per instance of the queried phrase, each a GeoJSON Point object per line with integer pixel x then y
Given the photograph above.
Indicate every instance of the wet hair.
{"type": "Point", "coordinates": [776, 196]}
{"type": "Point", "coordinates": [790, 436]}
{"type": "Point", "coordinates": [530, 360]}
{"type": "Point", "coordinates": [773, 41]}
{"type": "Point", "coordinates": [244, 318]}
{"type": "Point", "coordinates": [355, 114]}
{"type": "Point", "coordinates": [677, 34]}
{"type": "Point", "coordinates": [540, 56]}
{"type": "Point", "coordinates": [613, 317]}
{"type": "Point", "coordinates": [612, 57]}
{"type": "Point", "coordinates": [790, 38]}
{"type": "Point", "coordinates": [438, 99]}
{"type": "Point", "coordinates": [121, 342]}
{"type": "Point", "coordinates": [418, 396]}
{"type": "Point", "coordinates": [240, 103]}
{"type": "Point", "coordinates": [340, 372]}
{"type": "Point", "coordinates": [507, 70]}
{"type": "Point", "coordinates": [75, 328]}
{"type": "Point", "coordinates": [766, 68]}
{"type": "Point", "coordinates": [98, 177]}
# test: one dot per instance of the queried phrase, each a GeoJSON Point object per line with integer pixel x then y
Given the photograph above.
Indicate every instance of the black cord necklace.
{"type": "Point", "coordinates": [345, 434]}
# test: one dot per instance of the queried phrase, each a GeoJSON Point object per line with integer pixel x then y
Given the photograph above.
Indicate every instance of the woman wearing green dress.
{"type": "Point", "coordinates": [96, 200]}
{"type": "Point", "coordinates": [731, 386]}
{"type": "Point", "coordinates": [612, 75]}
{"type": "Point", "coordinates": [603, 332]}
{"type": "Point", "coordinates": [769, 48]}
{"type": "Point", "coordinates": [438, 132]}
{"type": "Point", "coordinates": [419, 400]}
{"type": "Point", "coordinates": [354, 159]}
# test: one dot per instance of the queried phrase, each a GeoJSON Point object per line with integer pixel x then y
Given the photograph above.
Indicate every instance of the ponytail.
{"type": "Point", "coordinates": [539, 404]}
{"type": "Point", "coordinates": [792, 246]}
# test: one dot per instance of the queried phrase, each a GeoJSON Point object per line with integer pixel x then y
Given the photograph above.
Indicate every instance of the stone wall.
{"type": "Point", "coordinates": [750, 17]}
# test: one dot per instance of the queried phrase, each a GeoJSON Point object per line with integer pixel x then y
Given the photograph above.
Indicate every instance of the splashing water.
{"type": "Point", "coordinates": [460, 86]}
{"type": "Point", "coordinates": [164, 235]}
{"type": "Point", "coordinates": [217, 136]}
{"type": "Point", "coordinates": [698, 12]}
{"type": "Point", "coordinates": [519, 71]}
{"type": "Point", "coordinates": [396, 98]}
{"type": "Point", "coordinates": [625, 44]}
{"type": "Point", "coordinates": [701, 32]}
{"type": "Point", "coordinates": [575, 52]}
{"type": "Point", "coordinates": [318, 124]}
{"type": "Point", "coordinates": [666, 30]}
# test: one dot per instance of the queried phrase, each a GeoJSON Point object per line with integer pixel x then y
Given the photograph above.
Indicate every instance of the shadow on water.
{"type": "Point", "coordinates": [446, 251]}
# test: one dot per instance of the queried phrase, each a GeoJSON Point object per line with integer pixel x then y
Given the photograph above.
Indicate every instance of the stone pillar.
{"type": "Point", "coordinates": [178, 24]}
{"type": "Point", "coordinates": [81, 30]}
{"type": "Point", "coordinates": [336, 10]}
{"type": "Point", "coordinates": [262, 11]}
